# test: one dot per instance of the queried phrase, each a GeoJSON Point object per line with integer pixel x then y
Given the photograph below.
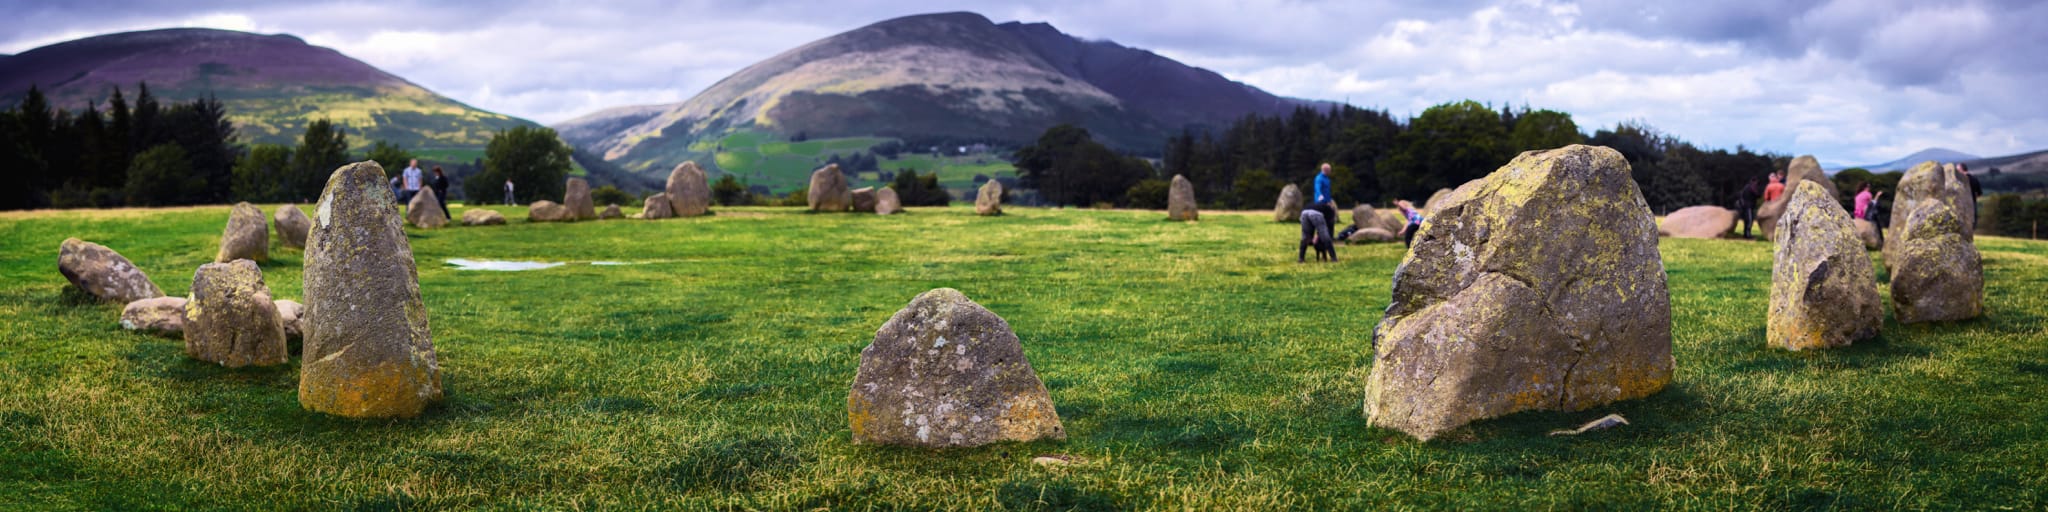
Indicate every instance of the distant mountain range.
{"type": "Point", "coordinates": [940, 77]}
{"type": "Point", "coordinates": [1936, 154]}
{"type": "Point", "coordinates": [2035, 162]}
{"type": "Point", "coordinates": [272, 85]}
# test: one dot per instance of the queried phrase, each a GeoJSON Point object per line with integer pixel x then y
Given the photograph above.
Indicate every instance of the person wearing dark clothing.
{"type": "Point", "coordinates": [1315, 231]}
{"type": "Point", "coordinates": [1745, 205]}
{"type": "Point", "coordinates": [1414, 217]}
{"type": "Point", "coordinates": [440, 186]}
{"type": "Point", "coordinates": [1976, 190]}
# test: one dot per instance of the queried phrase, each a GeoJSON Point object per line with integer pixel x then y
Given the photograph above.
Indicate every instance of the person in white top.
{"type": "Point", "coordinates": [508, 194]}
{"type": "Point", "coordinates": [414, 179]}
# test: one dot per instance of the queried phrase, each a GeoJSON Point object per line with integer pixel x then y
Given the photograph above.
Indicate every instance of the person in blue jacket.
{"type": "Point", "coordinates": [1324, 202]}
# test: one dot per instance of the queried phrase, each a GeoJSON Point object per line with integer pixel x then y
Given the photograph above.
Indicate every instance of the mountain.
{"type": "Point", "coordinates": [1936, 154]}
{"type": "Point", "coordinates": [936, 77]}
{"type": "Point", "coordinates": [272, 85]}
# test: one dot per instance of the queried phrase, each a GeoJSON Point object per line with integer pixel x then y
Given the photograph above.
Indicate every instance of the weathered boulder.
{"type": "Point", "coordinates": [291, 224]}
{"type": "Point", "coordinates": [161, 315]}
{"type": "Point", "coordinates": [657, 206]}
{"type": "Point", "coordinates": [1388, 220]}
{"type": "Point", "coordinates": [611, 211]}
{"type": "Point", "coordinates": [481, 217]}
{"type": "Point", "coordinates": [1802, 169]}
{"type": "Point", "coordinates": [688, 192]}
{"type": "Point", "coordinates": [425, 210]}
{"type": "Point", "coordinates": [230, 319]}
{"type": "Point", "coordinates": [864, 199]}
{"type": "Point", "coordinates": [989, 200]}
{"type": "Point", "coordinates": [1370, 235]}
{"type": "Point", "coordinates": [1867, 232]}
{"type": "Point", "coordinates": [1541, 289]}
{"type": "Point", "coordinates": [1936, 274]}
{"type": "Point", "coordinates": [1932, 181]}
{"type": "Point", "coordinates": [828, 190]}
{"type": "Point", "coordinates": [247, 236]}
{"type": "Point", "coordinates": [1823, 291]}
{"type": "Point", "coordinates": [577, 199]}
{"type": "Point", "coordinates": [1698, 222]}
{"type": "Point", "coordinates": [548, 211]}
{"type": "Point", "coordinates": [291, 314]}
{"type": "Point", "coordinates": [368, 352]}
{"type": "Point", "coordinates": [945, 372]}
{"type": "Point", "coordinates": [886, 202]}
{"type": "Point", "coordinates": [1180, 200]}
{"type": "Point", "coordinates": [1288, 207]}
{"type": "Point", "coordinates": [1436, 200]}
{"type": "Point", "coordinates": [102, 273]}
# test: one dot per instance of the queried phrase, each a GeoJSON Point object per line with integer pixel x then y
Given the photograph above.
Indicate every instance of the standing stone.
{"type": "Point", "coordinates": [1180, 200]}
{"type": "Point", "coordinates": [246, 237]}
{"type": "Point", "coordinates": [688, 192]}
{"type": "Point", "coordinates": [1867, 231]}
{"type": "Point", "coordinates": [989, 200]}
{"type": "Point", "coordinates": [1936, 274]}
{"type": "Point", "coordinates": [1542, 289]}
{"type": "Point", "coordinates": [161, 315]}
{"type": "Point", "coordinates": [828, 190]}
{"type": "Point", "coordinates": [577, 198]}
{"type": "Point", "coordinates": [945, 372]}
{"type": "Point", "coordinates": [1288, 207]}
{"type": "Point", "coordinates": [290, 314]}
{"type": "Point", "coordinates": [1436, 201]}
{"type": "Point", "coordinates": [611, 211]}
{"type": "Point", "coordinates": [1935, 182]}
{"type": "Point", "coordinates": [102, 273]}
{"type": "Point", "coordinates": [1698, 222]}
{"type": "Point", "coordinates": [864, 199]}
{"type": "Point", "coordinates": [425, 210]}
{"type": "Point", "coordinates": [368, 352]}
{"type": "Point", "coordinates": [548, 211]}
{"type": "Point", "coordinates": [1802, 169]}
{"type": "Point", "coordinates": [230, 319]}
{"type": "Point", "coordinates": [291, 224]}
{"type": "Point", "coordinates": [479, 217]}
{"type": "Point", "coordinates": [886, 202]}
{"type": "Point", "coordinates": [657, 206]}
{"type": "Point", "coordinates": [1823, 291]}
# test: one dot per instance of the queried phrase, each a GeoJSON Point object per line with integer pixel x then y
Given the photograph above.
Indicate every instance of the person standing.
{"type": "Point", "coordinates": [413, 179]}
{"type": "Point", "coordinates": [508, 194]}
{"type": "Point", "coordinates": [440, 184]}
{"type": "Point", "coordinates": [1776, 188]}
{"type": "Point", "coordinates": [1745, 205]}
{"type": "Point", "coordinates": [1414, 217]}
{"type": "Point", "coordinates": [1324, 201]}
{"type": "Point", "coordinates": [1864, 199]}
{"type": "Point", "coordinates": [1975, 190]}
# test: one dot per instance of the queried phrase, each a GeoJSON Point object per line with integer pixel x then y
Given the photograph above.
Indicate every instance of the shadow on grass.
{"type": "Point", "coordinates": [733, 464]}
{"type": "Point", "coordinates": [1035, 494]}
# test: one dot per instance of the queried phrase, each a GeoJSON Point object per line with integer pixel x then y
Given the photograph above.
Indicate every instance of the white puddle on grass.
{"type": "Point", "coordinates": [514, 266]}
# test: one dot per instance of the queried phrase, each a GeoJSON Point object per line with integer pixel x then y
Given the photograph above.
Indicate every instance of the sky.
{"type": "Point", "coordinates": [1850, 81]}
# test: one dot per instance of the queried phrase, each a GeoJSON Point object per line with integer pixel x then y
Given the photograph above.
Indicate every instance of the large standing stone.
{"type": "Point", "coordinates": [481, 217]}
{"type": "Point", "coordinates": [1541, 289]}
{"type": "Point", "coordinates": [1288, 207]}
{"type": "Point", "coordinates": [945, 372]}
{"type": "Point", "coordinates": [577, 199]}
{"type": "Point", "coordinates": [291, 225]}
{"type": "Point", "coordinates": [1823, 291]}
{"type": "Point", "coordinates": [1698, 222]}
{"type": "Point", "coordinates": [548, 211]}
{"type": "Point", "coordinates": [368, 352]}
{"type": "Point", "coordinates": [1370, 235]}
{"type": "Point", "coordinates": [864, 199]}
{"type": "Point", "coordinates": [161, 315]}
{"type": "Point", "coordinates": [1935, 182]}
{"type": "Point", "coordinates": [828, 190]}
{"type": "Point", "coordinates": [1936, 274]}
{"type": "Point", "coordinates": [1802, 169]}
{"type": "Point", "coordinates": [230, 319]}
{"type": "Point", "coordinates": [102, 273]}
{"type": "Point", "coordinates": [247, 236]}
{"type": "Point", "coordinates": [688, 192]}
{"type": "Point", "coordinates": [886, 201]}
{"type": "Point", "coordinates": [1180, 200]}
{"type": "Point", "coordinates": [989, 200]}
{"type": "Point", "coordinates": [425, 210]}
{"type": "Point", "coordinates": [657, 206]}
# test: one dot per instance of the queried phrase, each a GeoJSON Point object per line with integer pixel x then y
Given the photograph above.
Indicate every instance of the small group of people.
{"type": "Point", "coordinates": [409, 182]}
{"type": "Point", "coordinates": [1863, 205]}
{"type": "Point", "coordinates": [1316, 219]}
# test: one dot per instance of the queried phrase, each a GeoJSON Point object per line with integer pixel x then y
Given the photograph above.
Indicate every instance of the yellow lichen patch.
{"type": "Point", "coordinates": [1031, 416]}
{"type": "Point", "coordinates": [387, 390]}
{"type": "Point", "coordinates": [858, 415]}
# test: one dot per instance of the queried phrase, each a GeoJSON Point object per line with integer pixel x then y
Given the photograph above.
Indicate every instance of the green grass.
{"type": "Point", "coordinates": [1195, 366]}
{"type": "Point", "coordinates": [786, 166]}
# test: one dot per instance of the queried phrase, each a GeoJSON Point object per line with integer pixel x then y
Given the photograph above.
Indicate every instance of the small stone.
{"type": "Point", "coordinates": [102, 273]}
{"type": "Point", "coordinates": [828, 190]}
{"type": "Point", "coordinates": [230, 319]}
{"type": "Point", "coordinates": [481, 217]}
{"type": "Point", "coordinates": [1370, 235]}
{"type": "Point", "coordinates": [945, 372]}
{"type": "Point", "coordinates": [1823, 291]}
{"type": "Point", "coordinates": [989, 200]}
{"type": "Point", "coordinates": [1180, 200]}
{"type": "Point", "coordinates": [368, 351]}
{"type": "Point", "coordinates": [1867, 232]}
{"type": "Point", "coordinates": [611, 211]}
{"type": "Point", "coordinates": [864, 199]}
{"type": "Point", "coordinates": [1698, 222]}
{"type": "Point", "coordinates": [425, 210]}
{"type": "Point", "coordinates": [291, 225]}
{"type": "Point", "coordinates": [1388, 220]}
{"type": "Point", "coordinates": [1288, 207]}
{"type": "Point", "coordinates": [161, 315]}
{"type": "Point", "coordinates": [688, 191]}
{"type": "Point", "coordinates": [247, 236]}
{"type": "Point", "coordinates": [548, 211]}
{"type": "Point", "coordinates": [1604, 423]}
{"type": "Point", "coordinates": [657, 206]}
{"type": "Point", "coordinates": [886, 202]}
{"type": "Point", "coordinates": [290, 313]}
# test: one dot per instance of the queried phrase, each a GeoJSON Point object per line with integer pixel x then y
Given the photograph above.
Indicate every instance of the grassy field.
{"type": "Point", "coordinates": [784, 166]}
{"type": "Point", "coordinates": [1195, 366]}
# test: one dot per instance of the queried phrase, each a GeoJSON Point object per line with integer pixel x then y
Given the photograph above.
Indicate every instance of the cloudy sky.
{"type": "Point", "coordinates": [1851, 81]}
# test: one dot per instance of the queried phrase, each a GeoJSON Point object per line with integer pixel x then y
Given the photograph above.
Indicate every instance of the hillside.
{"type": "Point", "coordinates": [272, 86]}
{"type": "Point", "coordinates": [936, 77]}
{"type": "Point", "coordinates": [1936, 154]}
